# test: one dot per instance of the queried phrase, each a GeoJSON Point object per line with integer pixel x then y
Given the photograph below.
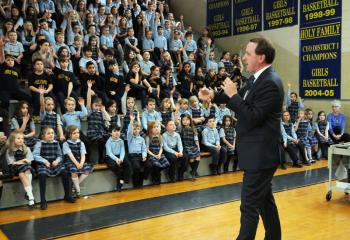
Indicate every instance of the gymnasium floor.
{"type": "Point", "coordinates": [207, 209]}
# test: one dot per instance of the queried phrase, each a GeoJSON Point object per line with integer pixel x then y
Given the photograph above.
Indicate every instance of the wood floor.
{"type": "Point", "coordinates": [304, 213]}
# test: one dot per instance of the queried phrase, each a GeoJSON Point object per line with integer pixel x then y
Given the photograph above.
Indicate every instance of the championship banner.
{"type": "Point", "coordinates": [219, 17]}
{"type": "Point", "coordinates": [320, 49]}
{"type": "Point", "coordinates": [280, 13]}
{"type": "Point", "coordinates": [247, 16]}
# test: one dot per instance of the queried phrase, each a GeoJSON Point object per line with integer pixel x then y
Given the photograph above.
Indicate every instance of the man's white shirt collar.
{"type": "Point", "coordinates": [258, 73]}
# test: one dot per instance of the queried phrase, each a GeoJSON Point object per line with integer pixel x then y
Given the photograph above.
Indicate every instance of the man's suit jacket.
{"type": "Point", "coordinates": [258, 127]}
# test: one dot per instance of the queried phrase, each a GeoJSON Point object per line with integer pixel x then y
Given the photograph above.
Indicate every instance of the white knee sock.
{"type": "Point", "coordinates": [75, 181]}
{"type": "Point", "coordinates": [30, 177]}
{"type": "Point", "coordinates": [29, 191]}
{"type": "Point", "coordinates": [309, 153]}
{"type": "Point", "coordinates": [82, 177]}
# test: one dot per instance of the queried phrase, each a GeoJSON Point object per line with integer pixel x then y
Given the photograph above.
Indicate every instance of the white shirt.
{"type": "Point", "coordinates": [258, 73]}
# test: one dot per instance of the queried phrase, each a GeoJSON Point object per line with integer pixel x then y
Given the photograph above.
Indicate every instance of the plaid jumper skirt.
{"type": "Point", "coordinates": [49, 151]}
{"type": "Point", "coordinates": [154, 147]}
{"type": "Point", "coordinates": [70, 166]}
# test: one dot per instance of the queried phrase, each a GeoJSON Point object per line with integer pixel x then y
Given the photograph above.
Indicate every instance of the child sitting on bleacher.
{"type": "Point", "coordinates": [74, 152]}
{"type": "Point", "coordinates": [197, 113]}
{"type": "Point", "coordinates": [10, 88]}
{"type": "Point", "coordinates": [39, 82]}
{"type": "Point", "coordinates": [97, 115]}
{"type": "Point", "coordinates": [167, 112]}
{"type": "Point", "coordinates": [185, 81]}
{"type": "Point", "coordinates": [47, 153]}
{"type": "Point", "coordinates": [153, 83]}
{"type": "Point", "coordinates": [116, 158]}
{"type": "Point", "coordinates": [291, 143]}
{"type": "Point", "coordinates": [49, 118]}
{"type": "Point", "coordinates": [222, 111]}
{"type": "Point", "coordinates": [150, 114]}
{"type": "Point", "coordinates": [190, 143]}
{"type": "Point", "coordinates": [312, 133]}
{"type": "Point", "coordinates": [137, 153]}
{"type": "Point", "coordinates": [228, 140]}
{"type": "Point", "coordinates": [322, 127]}
{"type": "Point", "coordinates": [115, 84]}
{"type": "Point", "coordinates": [211, 141]}
{"type": "Point", "coordinates": [302, 128]}
{"type": "Point", "coordinates": [294, 104]}
{"type": "Point", "coordinates": [173, 151]}
{"type": "Point", "coordinates": [198, 80]}
{"type": "Point", "coordinates": [23, 123]}
{"type": "Point", "coordinates": [19, 158]}
{"type": "Point", "coordinates": [130, 109]}
{"type": "Point", "coordinates": [63, 83]}
{"type": "Point", "coordinates": [73, 117]}
{"type": "Point", "coordinates": [112, 110]}
{"type": "Point", "coordinates": [182, 108]}
{"type": "Point", "coordinates": [154, 144]}
{"type": "Point", "coordinates": [168, 83]}
{"type": "Point", "coordinates": [97, 83]}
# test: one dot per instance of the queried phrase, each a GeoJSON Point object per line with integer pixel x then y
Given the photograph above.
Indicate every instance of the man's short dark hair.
{"type": "Point", "coordinates": [264, 47]}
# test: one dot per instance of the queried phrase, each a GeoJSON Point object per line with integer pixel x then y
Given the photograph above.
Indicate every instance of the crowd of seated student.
{"type": "Point", "coordinates": [306, 138]}
{"type": "Point", "coordinates": [107, 54]}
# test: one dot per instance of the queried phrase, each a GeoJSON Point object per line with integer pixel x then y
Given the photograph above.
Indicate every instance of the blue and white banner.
{"type": "Point", "coordinates": [219, 17]}
{"type": "Point", "coordinates": [247, 16]}
{"type": "Point", "coordinates": [280, 13]}
{"type": "Point", "coordinates": [320, 49]}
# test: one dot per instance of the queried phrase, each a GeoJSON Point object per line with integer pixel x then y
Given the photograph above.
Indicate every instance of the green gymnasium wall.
{"type": "Point", "coordinates": [286, 42]}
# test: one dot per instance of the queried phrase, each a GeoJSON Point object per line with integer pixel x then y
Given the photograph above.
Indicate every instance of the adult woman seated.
{"type": "Point", "coordinates": [337, 124]}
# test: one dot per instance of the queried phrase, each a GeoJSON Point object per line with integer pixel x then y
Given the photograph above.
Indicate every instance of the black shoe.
{"type": "Point", "coordinates": [297, 165]}
{"type": "Point", "coordinates": [70, 199]}
{"type": "Point", "coordinates": [43, 205]}
{"type": "Point", "coordinates": [26, 197]}
{"type": "Point", "coordinates": [306, 163]}
{"type": "Point", "coordinates": [193, 176]}
{"type": "Point", "coordinates": [31, 204]}
{"type": "Point", "coordinates": [283, 166]}
{"type": "Point", "coordinates": [119, 187]}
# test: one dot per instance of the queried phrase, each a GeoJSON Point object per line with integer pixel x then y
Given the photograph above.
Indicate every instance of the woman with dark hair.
{"type": "Point", "coordinates": [202, 44]}
{"type": "Point", "coordinates": [134, 78]}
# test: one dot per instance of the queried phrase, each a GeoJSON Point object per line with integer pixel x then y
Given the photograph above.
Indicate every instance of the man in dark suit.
{"type": "Point", "coordinates": [258, 107]}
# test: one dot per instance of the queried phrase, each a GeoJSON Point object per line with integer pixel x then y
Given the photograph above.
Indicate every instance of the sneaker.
{"type": "Point", "coordinates": [312, 160]}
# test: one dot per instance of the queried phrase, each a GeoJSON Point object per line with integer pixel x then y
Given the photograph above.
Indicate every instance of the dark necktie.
{"type": "Point", "coordinates": [249, 86]}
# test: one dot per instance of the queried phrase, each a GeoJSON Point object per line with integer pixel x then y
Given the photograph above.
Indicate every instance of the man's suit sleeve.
{"type": "Point", "coordinates": [255, 112]}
